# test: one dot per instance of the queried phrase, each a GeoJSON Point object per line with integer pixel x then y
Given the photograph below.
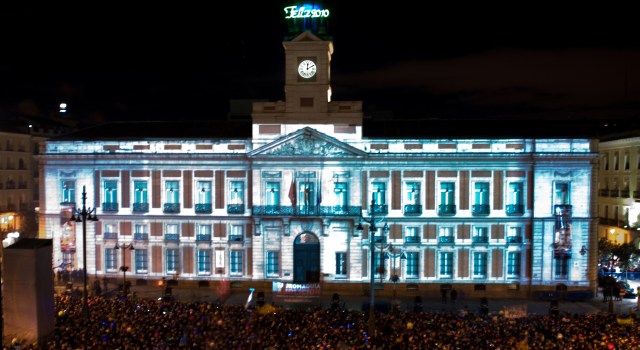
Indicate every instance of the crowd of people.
{"type": "Point", "coordinates": [152, 324]}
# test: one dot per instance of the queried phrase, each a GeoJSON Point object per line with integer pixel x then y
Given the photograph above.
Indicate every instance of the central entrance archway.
{"type": "Point", "coordinates": [306, 258]}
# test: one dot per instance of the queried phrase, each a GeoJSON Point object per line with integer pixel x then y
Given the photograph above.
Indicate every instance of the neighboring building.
{"type": "Point", "coordinates": [619, 188]}
{"type": "Point", "coordinates": [279, 198]}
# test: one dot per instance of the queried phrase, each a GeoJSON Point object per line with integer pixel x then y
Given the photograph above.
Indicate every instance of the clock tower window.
{"type": "Point", "coordinates": [306, 102]}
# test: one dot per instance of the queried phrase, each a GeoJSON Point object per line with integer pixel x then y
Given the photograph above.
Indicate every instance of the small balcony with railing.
{"type": "Point", "coordinates": [412, 209]}
{"type": "Point", "coordinates": [140, 237]}
{"type": "Point", "coordinates": [235, 208]}
{"type": "Point", "coordinates": [480, 209]}
{"type": "Point", "coordinates": [203, 208]}
{"type": "Point", "coordinates": [624, 193]}
{"type": "Point", "coordinates": [140, 207]}
{"type": "Point", "coordinates": [282, 210]}
{"type": "Point", "coordinates": [110, 207]}
{"type": "Point", "coordinates": [171, 237]}
{"type": "Point", "coordinates": [381, 209]}
{"type": "Point", "coordinates": [235, 238]}
{"type": "Point", "coordinates": [514, 239]}
{"type": "Point", "coordinates": [412, 239]}
{"type": "Point", "coordinates": [447, 209]}
{"type": "Point", "coordinates": [614, 193]}
{"type": "Point", "coordinates": [445, 240]}
{"type": "Point", "coordinates": [604, 192]}
{"type": "Point", "coordinates": [203, 238]}
{"type": "Point", "coordinates": [171, 208]}
{"type": "Point", "coordinates": [480, 239]}
{"type": "Point", "coordinates": [111, 236]}
{"type": "Point", "coordinates": [515, 209]}
{"type": "Point", "coordinates": [636, 194]}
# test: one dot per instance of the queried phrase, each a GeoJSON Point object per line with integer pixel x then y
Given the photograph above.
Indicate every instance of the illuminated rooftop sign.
{"type": "Point", "coordinates": [305, 11]}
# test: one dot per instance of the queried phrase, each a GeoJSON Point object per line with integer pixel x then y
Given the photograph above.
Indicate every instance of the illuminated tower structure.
{"type": "Point", "coordinates": [280, 198]}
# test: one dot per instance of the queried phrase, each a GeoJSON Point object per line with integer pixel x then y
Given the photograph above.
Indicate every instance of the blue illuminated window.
{"type": "Point", "coordinates": [204, 261]}
{"type": "Point", "coordinates": [172, 260]}
{"type": "Point", "coordinates": [236, 262]}
{"type": "Point", "coordinates": [272, 263]}
{"type": "Point", "coordinates": [446, 264]}
{"type": "Point", "coordinates": [141, 260]}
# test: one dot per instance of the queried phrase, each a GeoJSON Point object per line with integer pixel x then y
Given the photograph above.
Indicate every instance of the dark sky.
{"type": "Point", "coordinates": [115, 61]}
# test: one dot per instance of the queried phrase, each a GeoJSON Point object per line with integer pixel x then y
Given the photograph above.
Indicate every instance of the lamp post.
{"type": "Point", "coordinates": [372, 229]}
{"type": "Point", "coordinates": [82, 215]}
{"type": "Point", "coordinates": [393, 254]}
{"type": "Point", "coordinates": [124, 268]}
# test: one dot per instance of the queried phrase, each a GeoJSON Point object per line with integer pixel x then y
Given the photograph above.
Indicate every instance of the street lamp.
{"type": "Point", "coordinates": [82, 215]}
{"type": "Point", "coordinates": [372, 221]}
{"type": "Point", "coordinates": [124, 268]}
{"type": "Point", "coordinates": [394, 254]}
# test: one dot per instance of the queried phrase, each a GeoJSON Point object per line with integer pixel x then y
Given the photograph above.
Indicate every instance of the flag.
{"type": "Point", "coordinates": [319, 198]}
{"type": "Point", "coordinates": [292, 193]}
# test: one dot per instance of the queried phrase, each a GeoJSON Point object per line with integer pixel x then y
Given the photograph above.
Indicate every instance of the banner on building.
{"type": "Point", "coordinates": [562, 239]}
{"type": "Point", "coordinates": [295, 291]}
{"type": "Point", "coordinates": [515, 311]}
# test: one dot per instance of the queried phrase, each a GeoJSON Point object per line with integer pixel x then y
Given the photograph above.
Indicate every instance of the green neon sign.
{"type": "Point", "coordinates": [304, 12]}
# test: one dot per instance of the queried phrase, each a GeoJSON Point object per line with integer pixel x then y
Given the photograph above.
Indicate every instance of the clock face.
{"type": "Point", "coordinates": [307, 69]}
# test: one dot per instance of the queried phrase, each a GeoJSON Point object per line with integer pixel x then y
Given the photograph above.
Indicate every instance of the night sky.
{"type": "Point", "coordinates": [411, 59]}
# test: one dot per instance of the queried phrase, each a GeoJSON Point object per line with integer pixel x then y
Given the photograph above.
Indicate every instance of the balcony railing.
{"type": "Point", "coordinates": [624, 193]}
{"type": "Point", "coordinates": [446, 239]}
{"type": "Point", "coordinates": [412, 239]}
{"type": "Point", "coordinates": [171, 237]}
{"type": "Point", "coordinates": [480, 239]}
{"type": "Point", "coordinates": [412, 209]}
{"type": "Point", "coordinates": [138, 236]}
{"type": "Point", "coordinates": [202, 237]}
{"type": "Point", "coordinates": [604, 192]}
{"type": "Point", "coordinates": [447, 209]}
{"type": "Point", "coordinates": [140, 207]}
{"type": "Point", "coordinates": [636, 194]}
{"type": "Point", "coordinates": [110, 235]}
{"type": "Point", "coordinates": [235, 209]}
{"type": "Point", "coordinates": [379, 239]}
{"type": "Point", "coordinates": [203, 208]}
{"type": "Point", "coordinates": [235, 238]}
{"type": "Point", "coordinates": [380, 209]}
{"type": "Point", "coordinates": [110, 206]}
{"type": "Point", "coordinates": [614, 193]}
{"type": "Point", "coordinates": [514, 239]}
{"type": "Point", "coordinates": [68, 204]}
{"type": "Point", "coordinates": [171, 208]}
{"type": "Point", "coordinates": [480, 209]}
{"type": "Point", "coordinates": [515, 209]}
{"type": "Point", "coordinates": [282, 210]}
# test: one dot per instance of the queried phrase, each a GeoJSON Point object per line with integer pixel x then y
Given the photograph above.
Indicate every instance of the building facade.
{"type": "Point", "coordinates": [286, 204]}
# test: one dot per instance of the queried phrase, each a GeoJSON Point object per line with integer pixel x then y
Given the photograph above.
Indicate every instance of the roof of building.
{"type": "Point", "coordinates": [378, 128]}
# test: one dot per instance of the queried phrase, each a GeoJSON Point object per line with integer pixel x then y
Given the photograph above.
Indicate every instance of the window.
{"type": "Point", "coordinates": [561, 267]}
{"type": "Point", "coordinates": [237, 232]}
{"type": "Point", "coordinates": [514, 234]}
{"type": "Point", "coordinates": [172, 192]}
{"type": "Point", "coordinates": [172, 260]}
{"type": "Point", "coordinates": [515, 193]}
{"type": "Point", "coordinates": [141, 260]}
{"type": "Point", "coordinates": [272, 263]}
{"type": "Point", "coordinates": [141, 232]}
{"type": "Point", "coordinates": [236, 262]}
{"type": "Point", "coordinates": [111, 191]}
{"type": "Point", "coordinates": [615, 161]}
{"type": "Point", "coordinates": [445, 234]}
{"type": "Point", "coordinates": [204, 261]}
{"type": "Point", "coordinates": [203, 232]}
{"type": "Point", "coordinates": [379, 193]}
{"type": "Point", "coordinates": [447, 193]}
{"type": "Point", "coordinates": [480, 235]}
{"type": "Point", "coordinates": [140, 194]}
{"type": "Point", "coordinates": [171, 232]}
{"type": "Point", "coordinates": [110, 231]}
{"type": "Point", "coordinates": [68, 260]}
{"type": "Point", "coordinates": [605, 161]}
{"type": "Point", "coordinates": [204, 192]}
{"type": "Point", "coordinates": [305, 193]}
{"type": "Point", "coordinates": [513, 264]}
{"type": "Point", "coordinates": [110, 258]}
{"type": "Point", "coordinates": [378, 264]}
{"type": "Point", "coordinates": [412, 193]}
{"type": "Point", "coordinates": [413, 261]}
{"type": "Point", "coordinates": [479, 264]}
{"type": "Point", "coordinates": [236, 195]}
{"type": "Point", "coordinates": [562, 193]}
{"type": "Point", "coordinates": [341, 264]}
{"type": "Point", "coordinates": [342, 195]}
{"type": "Point", "coordinates": [411, 235]}
{"type": "Point", "coordinates": [273, 193]}
{"type": "Point", "coordinates": [446, 264]}
{"type": "Point", "coordinates": [481, 193]}
{"type": "Point", "coordinates": [68, 191]}
{"type": "Point", "coordinates": [626, 160]}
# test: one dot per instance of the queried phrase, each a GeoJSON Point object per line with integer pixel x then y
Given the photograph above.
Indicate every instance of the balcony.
{"type": "Point", "coordinates": [514, 239]}
{"type": "Point", "coordinates": [412, 239]}
{"type": "Point", "coordinates": [68, 204]}
{"type": "Point", "coordinates": [203, 237]}
{"type": "Point", "coordinates": [235, 209]}
{"type": "Point", "coordinates": [446, 209]}
{"type": "Point", "coordinates": [480, 209]}
{"type": "Point", "coordinates": [515, 209]}
{"type": "Point", "coordinates": [446, 239]}
{"type": "Point", "coordinates": [340, 210]}
{"type": "Point", "coordinates": [480, 239]}
{"type": "Point", "coordinates": [412, 209]}
{"type": "Point", "coordinates": [624, 193]}
{"type": "Point", "coordinates": [379, 239]}
{"type": "Point", "coordinates": [604, 193]}
{"type": "Point", "coordinates": [280, 210]}
{"type": "Point", "coordinates": [140, 236]}
{"type": "Point", "coordinates": [636, 194]}
{"type": "Point", "coordinates": [380, 209]}
{"type": "Point", "coordinates": [171, 237]}
{"type": "Point", "coordinates": [111, 207]}
{"type": "Point", "coordinates": [171, 208]}
{"type": "Point", "coordinates": [204, 208]}
{"type": "Point", "coordinates": [110, 235]}
{"type": "Point", "coordinates": [140, 207]}
{"type": "Point", "coordinates": [614, 193]}
{"type": "Point", "coordinates": [235, 238]}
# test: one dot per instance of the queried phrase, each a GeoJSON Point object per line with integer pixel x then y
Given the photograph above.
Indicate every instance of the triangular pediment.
{"type": "Point", "coordinates": [307, 36]}
{"type": "Point", "coordinates": [307, 142]}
